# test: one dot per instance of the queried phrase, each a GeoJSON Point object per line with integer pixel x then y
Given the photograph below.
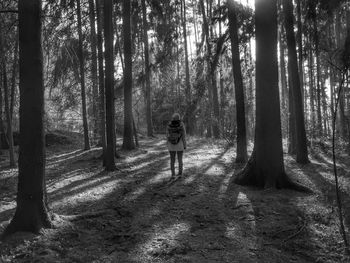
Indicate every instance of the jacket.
{"type": "Point", "coordinates": [181, 145]}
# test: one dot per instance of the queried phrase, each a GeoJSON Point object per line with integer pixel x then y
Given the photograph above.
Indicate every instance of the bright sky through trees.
{"type": "Point", "coordinates": [250, 3]}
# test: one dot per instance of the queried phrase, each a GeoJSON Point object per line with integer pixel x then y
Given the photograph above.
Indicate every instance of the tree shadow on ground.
{"type": "Point", "coordinates": [136, 215]}
{"type": "Point", "coordinates": [271, 222]}
{"type": "Point", "coordinates": [140, 202]}
{"type": "Point", "coordinates": [320, 172]}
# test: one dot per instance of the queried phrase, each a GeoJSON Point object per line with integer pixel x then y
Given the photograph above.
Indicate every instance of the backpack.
{"type": "Point", "coordinates": [174, 133]}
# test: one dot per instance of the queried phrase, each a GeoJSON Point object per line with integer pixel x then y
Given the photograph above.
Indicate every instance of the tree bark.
{"type": "Point", "coordinates": [31, 211]}
{"type": "Point", "coordinates": [13, 78]}
{"type": "Point", "coordinates": [187, 69]}
{"type": "Point", "coordinates": [318, 90]}
{"type": "Point", "coordinates": [341, 114]}
{"type": "Point", "coordinates": [283, 77]}
{"type": "Point", "coordinates": [215, 102]}
{"type": "Point", "coordinates": [82, 80]}
{"type": "Point", "coordinates": [265, 168]}
{"type": "Point", "coordinates": [311, 90]}
{"type": "Point", "coordinates": [128, 142]}
{"type": "Point", "coordinates": [299, 40]}
{"type": "Point", "coordinates": [212, 88]}
{"type": "Point", "coordinates": [221, 82]}
{"type": "Point", "coordinates": [8, 117]}
{"type": "Point", "coordinates": [327, 129]}
{"type": "Point", "coordinates": [147, 72]}
{"type": "Point", "coordinates": [238, 83]}
{"type": "Point", "coordinates": [136, 137]}
{"type": "Point", "coordinates": [299, 124]}
{"type": "Point", "coordinates": [284, 87]}
{"type": "Point", "coordinates": [109, 86]}
{"type": "Point", "coordinates": [94, 78]}
{"type": "Point", "coordinates": [216, 108]}
{"type": "Point", "coordinates": [102, 105]}
{"type": "Point", "coordinates": [332, 90]}
{"type": "Point", "coordinates": [346, 64]}
{"type": "Point", "coordinates": [6, 100]}
{"type": "Point", "coordinates": [292, 141]}
{"type": "Point", "coordinates": [318, 71]}
{"type": "Point", "coordinates": [2, 129]}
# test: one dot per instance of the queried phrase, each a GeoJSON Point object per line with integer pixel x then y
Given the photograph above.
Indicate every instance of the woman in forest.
{"type": "Point", "coordinates": [176, 141]}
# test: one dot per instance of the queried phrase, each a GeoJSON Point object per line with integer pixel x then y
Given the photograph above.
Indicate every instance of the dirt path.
{"type": "Point", "coordinates": [136, 215]}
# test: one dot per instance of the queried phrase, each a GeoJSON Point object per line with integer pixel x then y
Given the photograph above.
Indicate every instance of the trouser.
{"type": "Point", "coordinates": [172, 161]}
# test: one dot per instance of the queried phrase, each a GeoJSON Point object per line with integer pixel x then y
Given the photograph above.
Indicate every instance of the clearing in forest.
{"type": "Point", "coordinates": [136, 215]}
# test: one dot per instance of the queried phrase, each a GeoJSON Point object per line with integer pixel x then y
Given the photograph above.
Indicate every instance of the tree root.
{"type": "Point", "coordinates": [296, 233]}
{"type": "Point", "coordinates": [251, 175]}
{"type": "Point", "coordinates": [88, 215]}
{"type": "Point", "coordinates": [297, 186]}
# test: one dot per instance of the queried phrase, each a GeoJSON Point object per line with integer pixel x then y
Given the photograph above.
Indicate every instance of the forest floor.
{"type": "Point", "coordinates": [136, 214]}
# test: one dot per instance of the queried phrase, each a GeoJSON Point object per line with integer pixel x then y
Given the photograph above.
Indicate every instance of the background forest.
{"type": "Point", "coordinates": [181, 56]}
{"type": "Point", "coordinates": [87, 89]}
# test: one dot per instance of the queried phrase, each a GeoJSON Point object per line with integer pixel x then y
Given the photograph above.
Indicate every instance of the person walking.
{"type": "Point", "coordinates": [176, 142]}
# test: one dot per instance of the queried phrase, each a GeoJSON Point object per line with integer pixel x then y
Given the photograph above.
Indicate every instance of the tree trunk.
{"type": "Point", "coordinates": [128, 142]}
{"type": "Point", "coordinates": [283, 77]}
{"type": "Point", "coordinates": [187, 69]}
{"type": "Point", "coordinates": [215, 102]}
{"type": "Point", "coordinates": [311, 90]}
{"type": "Point", "coordinates": [109, 86]}
{"type": "Point", "coordinates": [2, 129]}
{"type": "Point", "coordinates": [292, 141]}
{"type": "Point", "coordinates": [332, 89]}
{"type": "Point", "coordinates": [222, 93]}
{"type": "Point", "coordinates": [102, 105]}
{"type": "Point", "coordinates": [8, 117]}
{"type": "Point", "coordinates": [211, 80]}
{"type": "Point", "coordinates": [284, 87]}
{"type": "Point", "coordinates": [318, 91]}
{"type": "Point", "coordinates": [94, 78]}
{"type": "Point", "coordinates": [82, 80]}
{"type": "Point", "coordinates": [306, 110]}
{"type": "Point", "coordinates": [176, 90]}
{"type": "Point", "coordinates": [299, 124]}
{"type": "Point", "coordinates": [250, 95]}
{"type": "Point", "coordinates": [238, 82]}
{"type": "Point", "coordinates": [300, 50]}
{"type": "Point", "coordinates": [341, 116]}
{"type": "Point", "coordinates": [6, 100]}
{"type": "Point", "coordinates": [136, 137]}
{"type": "Point", "coordinates": [222, 100]}
{"type": "Point", "coordinates": [147, 72]}
{"type": "Point", "coordinates": [13, 78]}
{"type": "Point", "coordinates": [31, 211]}
{"type": "Point", "coordinates": [346, 62]}
{"type": "Point", "coordinates": [216, 108]}
{"type": "Point", "coordinates": [318, 74]}
{"type": "Point", "coordinates": [325, 113]}
{"type": "Point", "coordinates": [178, 82]}
{"type": "Point", "coordinates": [194, 13]}
{"type": "Point", "coordinates": [265, 167]}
